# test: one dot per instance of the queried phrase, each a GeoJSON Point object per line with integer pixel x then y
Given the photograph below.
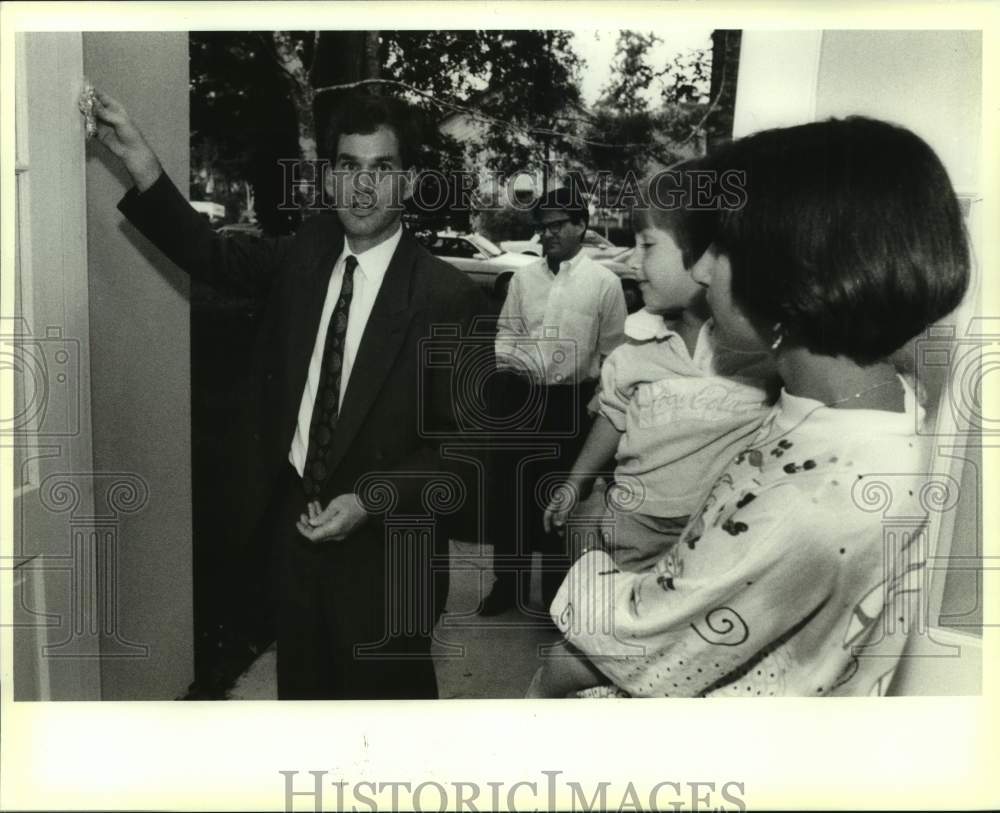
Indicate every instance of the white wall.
{"type": "Point", "coordinates": [140, 368]}
{"type": "Point", "coordinates": [928, 81]}
{"type": "Point", "coordinates": [931, 83]}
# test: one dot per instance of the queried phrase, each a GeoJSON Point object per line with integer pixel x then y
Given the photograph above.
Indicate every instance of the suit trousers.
{"type": "Point", "coordinates": [529, 458]}
{"type": "Point", "coordinates": [334, 635]}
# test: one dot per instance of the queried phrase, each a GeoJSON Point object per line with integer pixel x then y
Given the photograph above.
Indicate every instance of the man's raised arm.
{"type": "Point", "coordinates": [155, 206]}
{"type": "Point", "coordinates": [118, 133]}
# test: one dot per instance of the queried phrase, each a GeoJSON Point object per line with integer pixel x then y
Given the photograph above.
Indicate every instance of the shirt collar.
{"type": "Point", "coordinates": [794, 410]}
{"type": "Point", "coordinates": [644, 326]}
{"type": "Point", "coordinates": [570, 264]}
{"type": "Point", "coordinates": [565, 267]}
{"type": "Point", "coordinates": [372, 264]}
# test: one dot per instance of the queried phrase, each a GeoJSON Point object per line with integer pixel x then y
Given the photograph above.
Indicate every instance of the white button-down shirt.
{"type": "Point", "coordinates": [368, 276]}
{"type": "Point", "coordinates": [556, 328]}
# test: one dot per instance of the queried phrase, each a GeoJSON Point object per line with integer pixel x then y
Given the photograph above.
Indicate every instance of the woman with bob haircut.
{"type": "Point", "coordinates": [850, 243]}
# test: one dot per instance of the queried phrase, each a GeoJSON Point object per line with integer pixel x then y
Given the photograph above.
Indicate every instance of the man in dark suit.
{"type": "Point", "coordinates": [350, 417]}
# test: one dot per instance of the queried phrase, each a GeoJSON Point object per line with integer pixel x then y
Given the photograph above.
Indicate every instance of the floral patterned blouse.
{"type": "Point", "coordinates": [801, 573]}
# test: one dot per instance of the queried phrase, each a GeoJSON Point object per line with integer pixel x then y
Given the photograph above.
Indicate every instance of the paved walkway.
{"type": "Point", "coordinates": [475, 657]}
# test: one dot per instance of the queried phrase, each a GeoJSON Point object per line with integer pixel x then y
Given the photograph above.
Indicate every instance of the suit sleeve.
{"type": "Point", "coordinates": [238, 263]}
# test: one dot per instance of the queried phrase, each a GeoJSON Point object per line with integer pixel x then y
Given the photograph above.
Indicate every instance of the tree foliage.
{"type": "Point", "coordinates": [628, 136]}
{"type": "Point", "coordinates": [524, 82]}
{"type": "Point", "coordinates": [260, 96]}
{"type": "Point", "coordinates": [255, 95]}
{"type": "Point", "coordinates": [632, 75]}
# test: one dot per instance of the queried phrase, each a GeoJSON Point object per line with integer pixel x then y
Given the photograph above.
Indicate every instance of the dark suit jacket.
{"type": "Point", "coordinates": [396, 408]}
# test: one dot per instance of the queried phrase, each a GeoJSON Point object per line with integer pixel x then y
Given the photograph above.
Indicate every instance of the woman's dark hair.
{"type": "Point", "coordinates": [850, 235]}
{"type": "Point", "coordinates": [666, 202]}
{"type": "Point", "coordinates": [365, 113]}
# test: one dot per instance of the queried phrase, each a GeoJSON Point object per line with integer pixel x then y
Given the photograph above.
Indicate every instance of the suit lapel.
{"type": "Point", "coordinates": [380, 345]}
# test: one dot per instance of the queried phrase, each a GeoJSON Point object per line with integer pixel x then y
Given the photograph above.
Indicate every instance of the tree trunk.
{"type": "Point", "coordinates": [343, 57]}
{"type": "Point", "coordinates": [373, 67]}
{"type": "Point", "coordinates": [725, 67]}
{"type": "Point", "coordinates": [301, 94]}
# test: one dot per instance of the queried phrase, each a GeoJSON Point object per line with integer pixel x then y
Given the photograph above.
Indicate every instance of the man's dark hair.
{"type": "Point", "coordinates": [563, 199]}
{"type": "Point", "coordinates": [851, 235]}
{"type": "Point", "coordinates": [364, 113]}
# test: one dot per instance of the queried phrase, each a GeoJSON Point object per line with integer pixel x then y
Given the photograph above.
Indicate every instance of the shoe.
{"type": "Point", "coordinates": [500, 599]}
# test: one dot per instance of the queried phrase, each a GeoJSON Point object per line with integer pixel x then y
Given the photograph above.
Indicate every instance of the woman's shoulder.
{"type": "Point", "coordinates": [844, 475]}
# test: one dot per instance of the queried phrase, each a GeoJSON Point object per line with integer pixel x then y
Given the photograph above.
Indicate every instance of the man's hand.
{"type": "Point", "coordinates": [338, 520]}
{"type": "Point", "coordinates": [116, 131]}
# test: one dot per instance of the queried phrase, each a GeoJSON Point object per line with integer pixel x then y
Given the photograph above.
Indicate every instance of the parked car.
{"type": "Point", "coordinates": [619, 264]}
{"type": "Point", "coordinates": [594, 245]}
{"type": "Point", "coordinates": [485, 262]}
{"type": "Point", "coordinates": [490, 266]}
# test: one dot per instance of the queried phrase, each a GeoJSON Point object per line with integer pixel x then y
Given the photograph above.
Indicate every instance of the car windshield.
{"type": "Point", "coordinates": [485, 246]}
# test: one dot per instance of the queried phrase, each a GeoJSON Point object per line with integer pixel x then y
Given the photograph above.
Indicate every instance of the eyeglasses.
{"type": "Point", "coordinates": [553, 226]}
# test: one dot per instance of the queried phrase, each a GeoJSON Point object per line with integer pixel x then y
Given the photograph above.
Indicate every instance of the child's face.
{"type": "Point", "coordinates": [667, 286]}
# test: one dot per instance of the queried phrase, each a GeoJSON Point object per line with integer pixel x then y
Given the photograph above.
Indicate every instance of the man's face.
{"type": "Point", "coordinates": [368, 186]}
{"type": "Point", "coordinates": [560, 238]}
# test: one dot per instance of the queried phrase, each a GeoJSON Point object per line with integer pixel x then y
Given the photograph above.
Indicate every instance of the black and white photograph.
{"type": "Point", "coordinates": [414, 354]}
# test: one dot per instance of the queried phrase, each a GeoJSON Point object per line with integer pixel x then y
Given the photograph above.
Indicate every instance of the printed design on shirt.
{"type": "Point", "coordinates": [765, 671]}
{"type": "Point", "coordinates": [783, 446]}
{"type": "Point", "coordinates": [753, 457]}
{"type": "Point", "coordinates": [696, 528]}
{"type": "Point", "coordinates": [850, 670]}
{"type": "Point", "coordinates": [724, 517]}
{"type": "Point", "coordinates": [602, 693]}
{"type": "Point", "coordinates": [722, 626]}
{"type": "Point", "coordinates": [670, 567]}
{"type": "Point", "coordinates": [761, 676]}
{"type": "Point", "coordinates": [677, 669]}
{"type": "Point", "coordinates": [794, 468]}
{"type": "Point", "coordinates": [881, 685]}
{"type": "Point", "coordinates": [691, 398]}
{"type": "Point", "coordinates": [871, 607]}
{"type": "Point", "coordinates": [734, 528]}
{"type": "Point", "coordinates": [566, 616]}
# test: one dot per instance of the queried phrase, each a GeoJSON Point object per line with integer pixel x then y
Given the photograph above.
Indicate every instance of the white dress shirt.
{"type": "Point", "coordinates": [556, 328]}
{"type": "Point", "coordinates": [368, 276]}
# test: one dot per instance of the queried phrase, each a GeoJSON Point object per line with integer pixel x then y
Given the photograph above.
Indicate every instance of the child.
{"type": "Point", "coordinates": [673, 409]}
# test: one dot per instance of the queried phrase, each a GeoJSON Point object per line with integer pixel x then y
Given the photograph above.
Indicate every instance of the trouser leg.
{"type": "Point", "coordinates": [567, 420]}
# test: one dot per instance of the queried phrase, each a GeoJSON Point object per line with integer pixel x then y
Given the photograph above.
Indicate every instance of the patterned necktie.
{"type": "Point", "coordinates": [327, 405]}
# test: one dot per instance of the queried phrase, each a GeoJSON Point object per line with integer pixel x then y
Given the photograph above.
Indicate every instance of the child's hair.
{"type": "Point", "coordinates": [664, 204]}
{"type": "Point", "coordinates": [850, 236]}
